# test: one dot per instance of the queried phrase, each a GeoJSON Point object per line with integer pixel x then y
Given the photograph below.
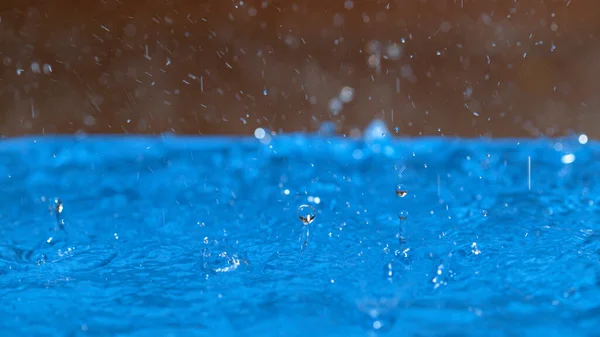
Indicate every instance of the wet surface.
{"type": "Point", "coordinates": [297, 234]}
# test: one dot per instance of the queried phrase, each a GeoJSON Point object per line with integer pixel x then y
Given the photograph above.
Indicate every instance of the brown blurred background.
{"type": "Point", "coordinates": [451, 67]}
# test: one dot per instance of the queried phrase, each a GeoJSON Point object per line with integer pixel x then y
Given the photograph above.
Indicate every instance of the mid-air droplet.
{"type": "Point", "coordinates": [306, 214]}
{"type": "Point", "coordinates": [401, 191]}
{"type": "Point", "coordinates": [402, 215]}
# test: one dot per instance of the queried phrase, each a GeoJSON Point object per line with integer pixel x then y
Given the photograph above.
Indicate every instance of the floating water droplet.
{"type": "Point", "coordinates": [306, 214]}
{"type": "Point", "coordinates": [401, 191]}
{"type": "Point", "coordinates": [47, 69]}
{"type": "Point", "coordinates": [394, 51]}
{"type": "Point", "coordinates": [402, 215]}
{"type": "Point", "coordinates": [484, 212]}
{"type": "Point", "coordinates": [35, 67]}
{"type": "Point", "coordinates": [259, 133]}
{"type": "Point", "coordinates": [346, 95]}
{"type": "Point", "coordinates": [335, 106]}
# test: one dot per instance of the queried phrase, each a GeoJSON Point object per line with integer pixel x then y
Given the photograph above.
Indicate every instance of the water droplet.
{"type": "Point", "coordinates": [327, 128]}
{"type": "Point", "coordinates": [259, 133]}
{"type": "Point", "coordinates": [402, 215]}
{"type": "Point", "coordinates": [401, 191]}
{"type": "Point", "coordinates": [346, 95]}
{"type": "Point", "coordinates": [394, 51]}
{"type": "Point", "coordinates": [47, 69]}
{"type": "Point", "coordinates": [474, 249]}
{"type": "Point", "coordinates": [445, 26]}
{"type": "Point", "coordinates": [375, 131]}
{"type": "Point", "coordinates": [35, 67]}
{"type": "Point", "coordinates": [484, 212]}
{"type": "Point", "coordinates": [58, 206]}
{"type": "Point", "coordinates": [306, 214]}
{"type": "Point", "coordinates": [335, 106]}
{"type": "Point", "coordinates": [42, 260]}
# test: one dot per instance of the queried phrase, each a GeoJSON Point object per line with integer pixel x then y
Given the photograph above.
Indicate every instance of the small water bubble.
{"type": "Point", "coordinates": [401, 191]}
{"type": "Point", "coordinates": [397, 129]}
{"type": "Point", "coordinates": [306, 214]}
{"type": "Point", "coordinates": [484, 212]}
{"type": "Point", "coordinates": [402, 215]}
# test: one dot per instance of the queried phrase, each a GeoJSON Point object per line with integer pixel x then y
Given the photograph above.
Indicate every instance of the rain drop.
{"type": "Point", "coordinates": [401, 191]}
{"type": "Point", "coordinates": [394, 51]}
{"type": "Point", "coordinates": [306, 214]}
{"type": "Point", "coordinates": [335, 106]}
{"type": "Point", "coordinates": [346, 95]}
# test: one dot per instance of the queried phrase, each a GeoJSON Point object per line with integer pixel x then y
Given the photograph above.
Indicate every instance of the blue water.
{"type": "Point", "coordinates": [202, 236]}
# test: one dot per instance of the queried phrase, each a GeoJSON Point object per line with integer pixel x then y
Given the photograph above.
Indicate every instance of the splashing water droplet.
{"type": "Point", "coordinates": [58, 206]}
{"type": "Point", "coordinates": [402, 215]}
{"type": "Point", "coordinates": [306, 214]}
{"type": "Point", "coordinates": [401, 191]}
{"type": "Point", "coordinates": [484, 212]}
{"type": "Point", "coordinates": [474, 249]}
{"type": "Point", "coordinates": [42, 260]}
{"type": "Point", "coordinates": [375, 131]}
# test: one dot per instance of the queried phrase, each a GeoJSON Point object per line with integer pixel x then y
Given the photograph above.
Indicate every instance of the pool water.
{"type": "Point", "coordinates": [297, 235]}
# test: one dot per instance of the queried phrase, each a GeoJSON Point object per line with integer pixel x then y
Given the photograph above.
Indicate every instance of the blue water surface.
{"type": "Point", "coordinates": [174, 236]}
